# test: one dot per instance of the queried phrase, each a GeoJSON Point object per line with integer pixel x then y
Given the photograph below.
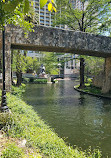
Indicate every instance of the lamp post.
{"type": "Point", "coordinates": [4, 106]}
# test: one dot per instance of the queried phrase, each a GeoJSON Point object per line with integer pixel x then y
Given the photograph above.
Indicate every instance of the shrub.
{"type": "Point", "coordinates": [18, 90]}
{"type": "Point", "coordinates": [40, 80]}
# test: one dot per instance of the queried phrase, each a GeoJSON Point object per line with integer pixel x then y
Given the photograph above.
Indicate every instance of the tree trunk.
{"type": "Point", "coordinates": [25, 53]}
{"type": "Point", "coordinates": [18, 70]}
{"type": "Point", "coordinates": [82, 73]}
{"type": "Point", "coordinates": [11, 67]}
{"type": "Point", "coordinates": [19, 78]}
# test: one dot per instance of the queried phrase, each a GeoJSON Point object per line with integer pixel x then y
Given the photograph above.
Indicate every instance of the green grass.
{"type": "Point", "coordinates": [92, 89]}
{"type": "Point", "coordinates": [23, 122]}
{"type": "Point", "coordinates": [12, 151]}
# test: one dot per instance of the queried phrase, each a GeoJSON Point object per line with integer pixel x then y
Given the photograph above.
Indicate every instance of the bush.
{"type": "Point", "coordinates": [18, 90]}
{"type": "Point", "coordinates": [40, 80]}
{"type": "Point", "coordinates": [31, 80]}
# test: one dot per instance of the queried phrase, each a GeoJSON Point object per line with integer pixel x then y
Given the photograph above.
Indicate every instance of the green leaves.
{"type": "Point", "coordinates": [10, 6]}
{"type": "Point", "coordinates": [14, 12]}
{"type": "Point", "coordinates": [51, 5]}
{"type": "Point", "coordinates": [88, 18]}
{"type": "Point", "coordinates": [42, 3]}
{"type": "Point", "coordinates": [26, 7]}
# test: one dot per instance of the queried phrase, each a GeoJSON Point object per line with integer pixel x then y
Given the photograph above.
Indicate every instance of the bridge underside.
{"type": "Point", "coordinates": [58, 40]}
{"type": "Point", "coordinates": [59, 49]}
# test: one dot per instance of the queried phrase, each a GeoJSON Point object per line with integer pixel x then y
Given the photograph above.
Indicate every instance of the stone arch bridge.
{"type": "Point", "coordinates": [58, 40]}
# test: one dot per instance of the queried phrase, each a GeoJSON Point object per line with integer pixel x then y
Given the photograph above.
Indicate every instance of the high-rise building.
{"type": "Point", "coordinates": [44, 14]}
{"type": "Point", "coordinates": [45, 17]}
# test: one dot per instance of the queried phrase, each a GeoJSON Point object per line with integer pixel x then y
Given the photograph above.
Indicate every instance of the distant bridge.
{"type": "Point", "coordinates": [57, 40]}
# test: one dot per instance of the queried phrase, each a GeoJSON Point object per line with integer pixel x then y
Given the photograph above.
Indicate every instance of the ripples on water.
{"type": "Point", "coordinates": [82, 119]}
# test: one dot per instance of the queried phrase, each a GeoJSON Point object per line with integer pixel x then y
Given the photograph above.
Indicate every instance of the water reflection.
{"type": "Point", "coordinates": [82, 119]}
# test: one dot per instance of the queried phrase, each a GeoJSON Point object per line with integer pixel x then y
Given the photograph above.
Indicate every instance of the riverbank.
{"type": "Point", "coordinates": [24, 126]}
{"type": "Point", "coordinates": [92, 90]}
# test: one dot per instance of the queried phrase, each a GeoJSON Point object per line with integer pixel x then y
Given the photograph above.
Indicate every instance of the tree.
{"type": "Point", "coordinates": [93, 16]}
{"type": "Point", "coordinates": [49, 61]}
{"type": "Point", "coordinates": [90, 68]}
{"type": "Point", "coordinates": [22, 64]}
{"type": "Point", "coordinates": [32, 64]}
{"type": "Point", "coordinates": [20, 12]}
{"type": "Point", "coordinates": [19, 65]}
{"type": "Point", "coordinates": [13, 12]}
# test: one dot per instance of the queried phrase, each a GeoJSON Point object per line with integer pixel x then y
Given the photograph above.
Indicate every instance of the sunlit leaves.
{"type": "Point", "coordinates": [54, 9]}
{"type": "Point", "coordinates": [51, 5]}
{"type": "Point", "coordinates": [14, 11]}
{"type": "Point", "coordinates": [26, 7]}
{"type": "Point", "coordinates": [10, 6]}
{"type": "Point", "coordinates": [52, 1]}
{"type": "Point", "coordinates": [32, 3]}
{"type": "Point", "coordinates": [42, 3]}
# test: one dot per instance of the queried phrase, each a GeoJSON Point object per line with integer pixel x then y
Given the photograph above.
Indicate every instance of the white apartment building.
{"type": "Point", "coordinates": [45, 17]}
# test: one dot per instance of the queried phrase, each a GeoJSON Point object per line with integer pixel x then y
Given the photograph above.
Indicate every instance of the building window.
{"type": "Point", "coordinates": [41, 17]}
{"type": "Point", "coordinates": [41, 21]}
{"type": "Point", "coordinates": [41, 13]}
{"type": "Point", "coordinates": [47, 18]}
{"type": "Point", "coordinates": [47, 14]}
{"type": "Point", "coordinates": [47, 22]}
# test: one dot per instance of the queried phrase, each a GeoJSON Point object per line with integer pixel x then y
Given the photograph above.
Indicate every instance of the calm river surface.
{"type": "Point", "coordinates": [82, 120]}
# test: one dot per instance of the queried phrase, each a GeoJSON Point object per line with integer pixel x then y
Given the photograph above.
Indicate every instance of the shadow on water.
{"type": "Point", "coordinates": [82, 119]}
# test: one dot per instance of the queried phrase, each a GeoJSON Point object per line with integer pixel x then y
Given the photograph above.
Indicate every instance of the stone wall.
{"type": "Point", "coordinates": [106, 87]}
{"type": "Point", "coordinates": [103, 79]}
{"type": "Point", "coordinates": [98, 79]}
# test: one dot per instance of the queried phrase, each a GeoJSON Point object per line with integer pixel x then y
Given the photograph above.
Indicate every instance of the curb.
{"type": "Point", "coordinates": [96, 95]}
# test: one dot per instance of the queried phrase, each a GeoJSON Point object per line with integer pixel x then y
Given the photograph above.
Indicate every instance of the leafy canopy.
{"type": "Point", "coordinates": [91, 16]}
{"type": "Point", "coordinates": [16, 11]}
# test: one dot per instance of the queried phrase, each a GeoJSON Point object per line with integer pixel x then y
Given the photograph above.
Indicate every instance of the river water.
{"type": "Point", "coordinates": [80, 119]}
